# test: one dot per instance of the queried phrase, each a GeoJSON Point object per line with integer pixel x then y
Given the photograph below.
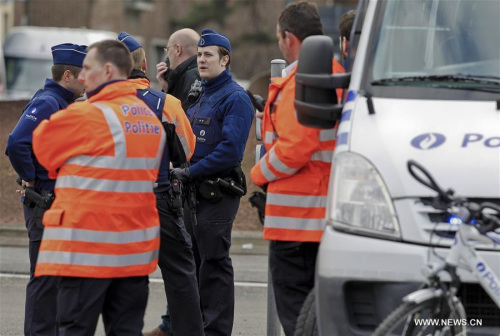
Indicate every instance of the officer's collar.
{"type": "Point", "coordinates": [67, 95]}
{"type": "Point", "coordinates": [138, 74]}
{"type": "Point", "coordinates": [186, 64]}
{"type": "Point", "coordinates": [181, 68]}
{"type": "Point", "coordinates": [289, 68]}
{"type": "Point", "coordinates": [100, 87]}
{"type": "Point", "coordinates": [217, 82]}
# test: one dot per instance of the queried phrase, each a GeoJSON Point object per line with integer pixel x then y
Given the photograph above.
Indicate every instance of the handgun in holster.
{"type": "Point", "coordinates": [230, 186]}
{"type": "Point", "coordinates": [39, 203]}
{"type": "Point", "coordinates": [176, 197]}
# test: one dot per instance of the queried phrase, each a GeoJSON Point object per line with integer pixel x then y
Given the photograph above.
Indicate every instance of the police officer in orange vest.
{"type": "Point", "coordinates": [296, 170]}
{"type": "Point", "coordinates": [102, 232]}
{"type": "Point", "coordinates": [176, 259]}
{"type": "Point", "coordinates": [58, 93]}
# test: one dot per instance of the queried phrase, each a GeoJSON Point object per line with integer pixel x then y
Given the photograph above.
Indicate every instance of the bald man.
{"type": "Point", "coordinates": [177, 77]}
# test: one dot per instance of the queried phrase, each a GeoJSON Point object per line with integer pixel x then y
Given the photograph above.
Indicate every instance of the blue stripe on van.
{"type": "Point", "coordinates": [342, 138]}
{"type": "Point", "coordinates": [346, 115]}
{"type": "Point", "coordinates": [350, 96]}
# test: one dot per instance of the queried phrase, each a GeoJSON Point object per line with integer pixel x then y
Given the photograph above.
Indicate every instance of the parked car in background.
{"type": "Point", "coordinates": [3, 78]}
{"type": "Point", "coordinates": [28, 56]}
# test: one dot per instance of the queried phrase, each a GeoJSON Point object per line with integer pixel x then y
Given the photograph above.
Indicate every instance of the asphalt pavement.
{"type": "Point", "coordinates": [248, 252]}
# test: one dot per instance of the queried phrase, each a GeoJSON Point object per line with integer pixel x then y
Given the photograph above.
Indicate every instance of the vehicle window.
{"type": "Point", "coordinates": [438, 42]}
{"type": "Point", "coordinates": [26, 74]}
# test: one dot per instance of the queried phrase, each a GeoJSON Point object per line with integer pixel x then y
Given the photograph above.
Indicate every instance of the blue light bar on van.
{"type": "Point", "coordinates": [454, 220]}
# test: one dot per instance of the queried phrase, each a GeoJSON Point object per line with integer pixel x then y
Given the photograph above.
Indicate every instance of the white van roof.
{"type": "Point", "coordinates": [35, 42]}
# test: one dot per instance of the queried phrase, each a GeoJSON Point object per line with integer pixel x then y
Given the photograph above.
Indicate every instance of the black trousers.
{"type": "Point", "coordinates": [178, 270]}
{"type": "Point", "coordinates": [40, 313]}
{"type": "Point", "coordinates": [211, 242]}
{"type": "Point", "coordinates": [122, 302]}
{"type": "Point", "coordinates": [292, 267]}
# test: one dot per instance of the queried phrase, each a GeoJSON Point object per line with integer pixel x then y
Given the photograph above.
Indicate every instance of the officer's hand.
{"type": "Point", "coordinates": [26, 184]}
{"type": "Point", "coordinates": [181, 174]}
{"type": "Point", "coordinates": [161, 69]}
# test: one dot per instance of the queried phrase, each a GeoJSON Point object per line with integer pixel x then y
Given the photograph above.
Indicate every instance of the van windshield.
{"type": "Point", "coordinates": [25, 74]}
{"type": "Point", "coordinates": [439, 43]}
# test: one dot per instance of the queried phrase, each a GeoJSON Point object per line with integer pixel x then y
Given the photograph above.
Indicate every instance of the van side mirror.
{"type": "Point", "coordinates": [315, 95]}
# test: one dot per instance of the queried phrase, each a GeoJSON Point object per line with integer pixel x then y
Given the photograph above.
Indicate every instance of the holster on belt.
{"type": "Point", "coordinates": [235, 184]}
{"type": "Point", "coordinates": [38, 202]}
{"type": "Point", "coordinates": [173, 193]}
{"type": "Point", "coordinates": [176, 197]}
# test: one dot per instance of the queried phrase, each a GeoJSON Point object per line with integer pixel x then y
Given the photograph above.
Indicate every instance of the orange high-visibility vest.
{"type": "Point", "coordinates": [296, 167]}
{"type": "Point", "coordinates": [173, 114]}
{"type": "Point", "coordinates": [140, 82]}
{"type": "Point", "coordinates": [104, 153]}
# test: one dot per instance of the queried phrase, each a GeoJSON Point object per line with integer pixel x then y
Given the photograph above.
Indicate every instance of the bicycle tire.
{"type": "Point", "coordinates": [410, 311]}
{"type": "Point", "coordinates": [306, 321]}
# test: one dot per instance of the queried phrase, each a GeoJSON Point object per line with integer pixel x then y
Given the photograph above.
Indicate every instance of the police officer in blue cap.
{"type": "Point", "coordinates": [57, 94]}
{"type": "Point", "coordinates": [175, 259]}
{"type": "Point", "coordinates": [221, 120]}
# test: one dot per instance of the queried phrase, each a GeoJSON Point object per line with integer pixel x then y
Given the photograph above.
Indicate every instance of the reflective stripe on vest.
{"type": "Point", "coordinates": [119, 161]}
{"type": "Point", "coordinates": [298, 202]}
{"type": "Point", "coordinates": [279, 165]}
{"type": "Point", "coordinates": [323, 156]}
{"type": "Point", "coordinates": [269, 137]}
{"type": "Point", "coordinates": [88, 259]}
{"type": "Point", "coordinates": [87, 183]}
{"type": "Point", "coordinates": [182, 139]}
{"type": "Point", "coordinates": [109, 237]}
{"type": "Point", "coordinates": [268, 174]}
{"type": "Point", "coordinates": [306, 224]}
{"type": "Point", "coordinates": [295, 201]}
{"type": "Point", "coordinates": [327, 135]}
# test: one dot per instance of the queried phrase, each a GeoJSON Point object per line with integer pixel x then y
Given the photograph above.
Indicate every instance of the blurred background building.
{"type": "Point", "coordinates": [249, 24]}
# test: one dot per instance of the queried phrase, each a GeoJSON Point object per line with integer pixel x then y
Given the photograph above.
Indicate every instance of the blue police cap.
{"type": "Point", "coordinates": [69, 54]}
{"type": "Point", "coordinates": [129, 41]}
{"type": "Point", "coordinates": [210, 37]}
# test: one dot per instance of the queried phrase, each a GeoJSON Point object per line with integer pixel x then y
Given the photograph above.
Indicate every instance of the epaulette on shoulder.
{"type": "Point", "coordinates": [153, 98]}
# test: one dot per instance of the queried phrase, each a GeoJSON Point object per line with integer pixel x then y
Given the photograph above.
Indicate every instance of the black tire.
{"type": "Point", "coordinates": [306, 322]}
{"type": "Point", "coordinates": [399, 321]}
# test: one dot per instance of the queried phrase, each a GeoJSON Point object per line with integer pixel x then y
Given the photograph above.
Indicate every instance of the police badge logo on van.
{"type": "Point", "coordinates": [428, 141]}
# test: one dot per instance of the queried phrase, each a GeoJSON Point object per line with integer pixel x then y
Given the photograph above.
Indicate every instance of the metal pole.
{"type": "Point", "coordinates": [273, 323]}
{"type": "Point", "coordinates": [277, 67]}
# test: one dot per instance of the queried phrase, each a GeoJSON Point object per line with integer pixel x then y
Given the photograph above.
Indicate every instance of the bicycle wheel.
{"type": "Point", "coordinates": [427, 318]}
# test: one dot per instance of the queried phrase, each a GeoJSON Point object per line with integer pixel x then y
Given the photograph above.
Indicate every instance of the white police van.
{"type": "Point", "coordinates": [424, 85]}
{"type": "Point", "coordinates": [28, 55]}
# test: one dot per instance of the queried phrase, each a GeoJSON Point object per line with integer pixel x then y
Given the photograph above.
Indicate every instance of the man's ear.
{"type": "Point", "coordinates": [345, 45]}
{"type": "Point", "coordinates": [225, 60]}
{"type": "Point", "coordinates": [144, 65]}
{"type": "Point", "coordinates": [291, 40]}
{"type": "Point", "coordinates": [108, 70]}
{"type": "Point", "coordinates": [67, 75]}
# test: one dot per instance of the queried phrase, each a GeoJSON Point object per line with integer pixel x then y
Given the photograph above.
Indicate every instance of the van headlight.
{"type": "Point", "coordinates": [360, 201]}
